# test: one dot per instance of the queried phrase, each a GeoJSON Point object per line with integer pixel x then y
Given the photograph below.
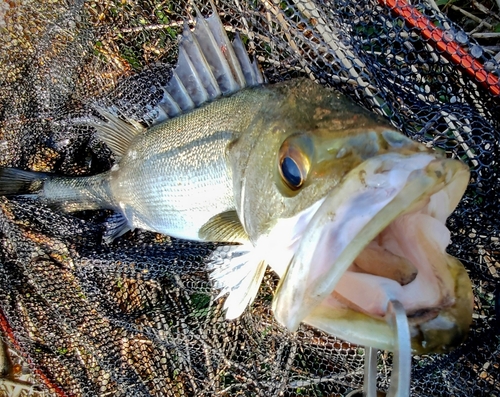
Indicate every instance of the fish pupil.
{"type": "Point", "coordinates": [291, 173]}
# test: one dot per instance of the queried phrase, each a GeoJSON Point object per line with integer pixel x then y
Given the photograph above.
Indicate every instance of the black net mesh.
{"type": "Point", "coordinates": [138, 317]}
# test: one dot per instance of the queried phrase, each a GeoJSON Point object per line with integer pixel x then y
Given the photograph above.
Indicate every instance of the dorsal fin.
{"type": "Point", "coordinates": [226, 47]}
{"type": "Point", "coordinates": [115, 132]}
{"type": "Point", "coordinates": [209, 66]}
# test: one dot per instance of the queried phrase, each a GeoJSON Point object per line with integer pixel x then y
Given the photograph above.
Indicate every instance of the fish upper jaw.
{"type": "Point", "coordinates": [398, 203]}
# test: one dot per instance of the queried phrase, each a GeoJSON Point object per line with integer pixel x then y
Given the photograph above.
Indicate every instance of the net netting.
{"type": "Point", "coordinates": [138, 317]}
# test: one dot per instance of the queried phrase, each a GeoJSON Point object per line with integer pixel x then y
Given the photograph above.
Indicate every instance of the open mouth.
{"type": "Point", "coordinates": [377, 237]}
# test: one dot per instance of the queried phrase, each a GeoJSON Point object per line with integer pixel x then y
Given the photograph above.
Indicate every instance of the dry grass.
{"type": "Point", "coordinates": [480, 19]}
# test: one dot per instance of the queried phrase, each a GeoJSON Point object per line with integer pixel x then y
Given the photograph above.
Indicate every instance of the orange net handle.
{"type": "Point", "coordinates": [8, 332]}
{"type": "Point", "coordinates": [450, 49]}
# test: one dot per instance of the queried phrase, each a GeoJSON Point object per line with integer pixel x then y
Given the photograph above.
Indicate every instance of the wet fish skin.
{"type": "Point", "coordinates": [306, 180]}
{"type": "Point", "coordinates": [335, 134]}
{"type": "Point", "coordinates": [165, 176]}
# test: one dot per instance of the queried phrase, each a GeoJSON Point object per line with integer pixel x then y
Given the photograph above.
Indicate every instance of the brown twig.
{"type": "Point", "coordinates": [471, 16]}
{"type": "Point", "coordinates": [485, 35]}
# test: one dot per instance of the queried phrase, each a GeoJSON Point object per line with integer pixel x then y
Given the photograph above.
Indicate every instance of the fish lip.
{"type": "Point", "coordinates": [293, 304]}
{"type": "Point", "coordinates": [426, 335]}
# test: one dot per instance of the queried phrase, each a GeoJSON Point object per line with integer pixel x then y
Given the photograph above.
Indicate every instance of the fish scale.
{"type": "Point", "coordinates": [165, 181]}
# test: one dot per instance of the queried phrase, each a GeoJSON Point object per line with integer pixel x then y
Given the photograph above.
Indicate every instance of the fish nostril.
{"type": "Point", "coordinates": [365, 145]}
{"type": "Point", "coordinates": [341, 153]}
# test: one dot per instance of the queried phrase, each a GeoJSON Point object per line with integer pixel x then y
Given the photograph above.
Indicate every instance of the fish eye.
{"type": "Point", "coordinates": [294, 163]}
{"type": "Point", "coordinates": [291, 174]}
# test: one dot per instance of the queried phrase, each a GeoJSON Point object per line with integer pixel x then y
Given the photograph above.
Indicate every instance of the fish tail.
{"type": "Point", "coordinates": [79, 193]}
{"type": "Point", "coordinates": [14, 181]}
{"type": "Point", "coordinates": [68, 193]}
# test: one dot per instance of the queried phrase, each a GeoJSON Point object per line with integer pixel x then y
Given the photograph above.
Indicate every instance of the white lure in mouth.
{"type": "Point", "coordinates": [380, 236]}
{"type": "Point", "coordinates": [420, 240]}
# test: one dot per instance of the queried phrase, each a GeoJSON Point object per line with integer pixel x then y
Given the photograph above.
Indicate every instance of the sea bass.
{"type": "Point", "coordinates": [348, 211]}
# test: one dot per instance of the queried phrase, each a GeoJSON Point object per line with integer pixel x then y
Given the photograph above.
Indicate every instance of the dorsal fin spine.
{"type": "Point", "coordinates": [220, 37]}
{"type": "Point", "coordinates": [215, 57]}
{"type": "Point", "coordinates": [258, 74]}
{"type": "Point", "coordinates": [209, 66]}
{"type": "Point", "coordinates": [190, 78]}
{"type": "Point", "coordinates": [246, 66]}
{"type": "Point", "coordinates": [179, 93]}
{"type": "Point", "coordinates": [168, 105]}
{"type": "Point", "coordinates": [192, 47]}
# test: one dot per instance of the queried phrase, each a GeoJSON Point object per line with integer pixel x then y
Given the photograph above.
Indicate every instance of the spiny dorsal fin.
{"type": "Point", "coordinates": [224, 227]}
{"type": "Point", "coordinates": [115, 132]}
{"type": "Point", "coordinates": [209, 66]}
{"type": "Point", "coordinates": [226, 47]}
{"type": "Point", "coordinates": [250, 70]}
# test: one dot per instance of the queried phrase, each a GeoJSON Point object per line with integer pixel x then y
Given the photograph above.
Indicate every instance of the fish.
{"type": "Point", "coordinates": [348, 211]}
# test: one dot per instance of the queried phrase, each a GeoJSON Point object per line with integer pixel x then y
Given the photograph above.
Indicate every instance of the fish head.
{"type": "Point", "coordinates": [351, 214]}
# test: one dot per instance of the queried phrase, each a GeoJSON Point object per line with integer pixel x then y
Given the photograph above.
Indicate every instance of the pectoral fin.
{"type": "Point", "coordinates": [224, 227]}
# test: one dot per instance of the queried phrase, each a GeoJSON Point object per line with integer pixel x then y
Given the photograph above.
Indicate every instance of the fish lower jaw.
{"type": "Point", "coordinates": [437, 298]}
{"type": "Point", "coordinates": [410, 265]}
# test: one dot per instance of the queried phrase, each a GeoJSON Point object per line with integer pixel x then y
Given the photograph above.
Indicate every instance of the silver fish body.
{"type": "Point", "coordinates": [175, 177]}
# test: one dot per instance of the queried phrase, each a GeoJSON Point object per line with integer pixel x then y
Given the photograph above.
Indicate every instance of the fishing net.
{"type": "Point", "coordinates": [138, 317]}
